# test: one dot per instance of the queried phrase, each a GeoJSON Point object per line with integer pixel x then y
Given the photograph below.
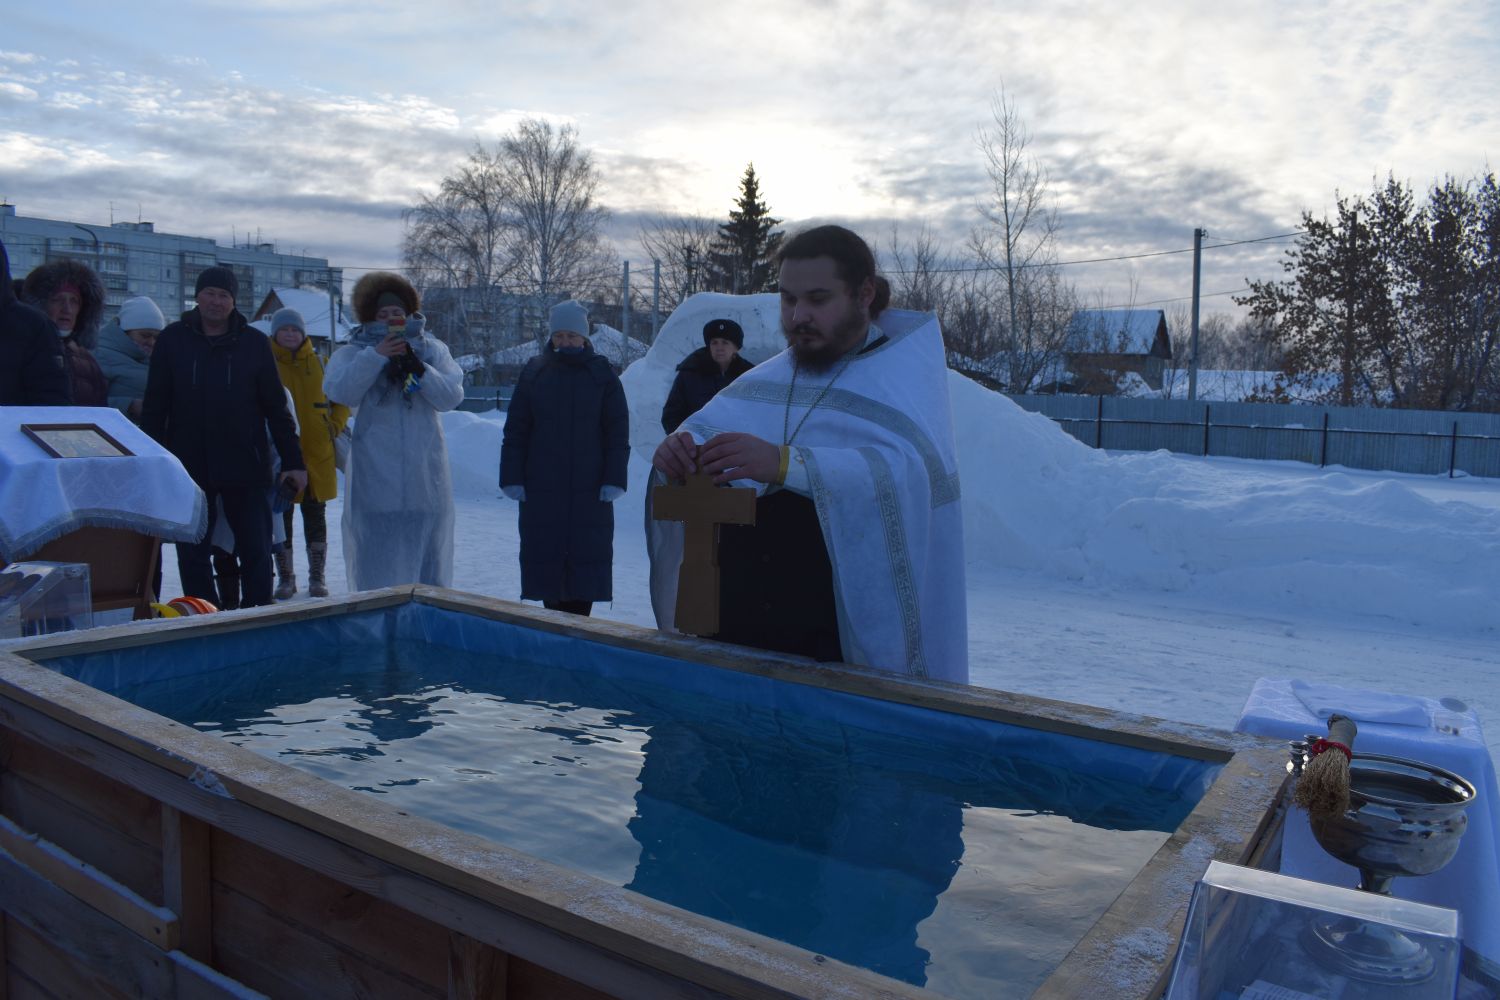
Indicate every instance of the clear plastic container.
{"type": "Point", "coordinates": [1254, 935]}
{"type": "Point", "coordinates": [38, 598]}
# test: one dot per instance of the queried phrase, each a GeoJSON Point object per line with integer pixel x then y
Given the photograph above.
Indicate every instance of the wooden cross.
{"type": "Point", "coordinates": [701, 506]}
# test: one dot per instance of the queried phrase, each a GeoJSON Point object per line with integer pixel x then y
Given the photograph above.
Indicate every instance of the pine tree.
{"type": "Point", "coordinates": [1393, 302]}
{"type": "Point", "coordinates": [747, 243]}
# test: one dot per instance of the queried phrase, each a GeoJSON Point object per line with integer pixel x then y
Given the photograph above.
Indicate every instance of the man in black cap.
{"type": "Point", "coordinates": [211, 394]}
{"type": "Point", "coordinates": [704, 372]}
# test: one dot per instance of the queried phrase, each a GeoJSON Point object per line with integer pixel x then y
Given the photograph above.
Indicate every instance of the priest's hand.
{"type": "Point", "coordinates": [740, 456]}
{"type": "Point", "coordinates": [677, 455]}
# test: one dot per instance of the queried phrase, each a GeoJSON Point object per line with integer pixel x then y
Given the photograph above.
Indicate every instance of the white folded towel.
{"type": "Point", "coordinates": [1323, 700]}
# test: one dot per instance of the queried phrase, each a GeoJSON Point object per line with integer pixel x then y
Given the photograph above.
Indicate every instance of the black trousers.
{"type": "Point", "coordinates": [571, 607]}
{"type": "Point", "coordinates": [248, 510]}
{"type": "Point", "coordinates": [776, 581]}
{"type": "Point", "coordinates": [314, 522]}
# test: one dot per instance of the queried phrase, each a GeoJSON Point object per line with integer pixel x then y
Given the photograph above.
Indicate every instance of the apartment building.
{"type": "Point", "coordinates": [132, 258]}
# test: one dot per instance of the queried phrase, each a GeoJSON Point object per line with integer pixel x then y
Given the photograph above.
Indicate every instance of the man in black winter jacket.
{"type": "Point", "coordinates": [32, 369]}
{"type": "Point", "coordinates": [211, 394]}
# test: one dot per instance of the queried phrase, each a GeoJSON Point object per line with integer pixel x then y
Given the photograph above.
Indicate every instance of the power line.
{"type": "Point", "coordinates": [1180, 298]}
{"type": "Point", "coordinates": [518, 285]}
{"type": "Point", "coordinates": [1092, 260]}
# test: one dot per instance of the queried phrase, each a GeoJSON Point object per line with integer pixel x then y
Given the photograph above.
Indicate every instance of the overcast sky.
{"type": "Point", "coordinates": [314, 124]}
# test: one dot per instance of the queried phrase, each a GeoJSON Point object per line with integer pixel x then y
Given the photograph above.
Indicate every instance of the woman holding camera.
{"type": "Point", "coordinates": [398, 511]}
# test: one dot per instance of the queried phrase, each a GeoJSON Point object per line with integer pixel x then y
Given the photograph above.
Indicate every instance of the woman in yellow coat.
{"type": "Point", "coordinates": [319, 422]}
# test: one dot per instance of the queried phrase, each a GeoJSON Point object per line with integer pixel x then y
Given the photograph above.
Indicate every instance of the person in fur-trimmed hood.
{"type": "Point", "coordinates": [72, 296]}
{"type": "Point", "coordinates": [35, 369]}
{"type": "Point", "coordinates": [398, 511]}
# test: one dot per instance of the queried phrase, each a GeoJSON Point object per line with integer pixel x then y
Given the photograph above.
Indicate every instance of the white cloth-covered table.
{"type": "Point", "coordinates": [43, 498]}
{"type": "Point", "coordinates": [1444, 733]}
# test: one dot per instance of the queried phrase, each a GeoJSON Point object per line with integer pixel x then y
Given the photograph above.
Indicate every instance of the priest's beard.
{"type": "Point", "coordinates": [821, 353]}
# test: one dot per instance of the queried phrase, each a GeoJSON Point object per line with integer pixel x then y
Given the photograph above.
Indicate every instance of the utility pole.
{"type": "Point", "coordinates": [692, 272]}
{"type": "Point", "coordinates": [1198, 235]}
{"type": "Point", "coordinates": [625, 308]}
{"type": "Point", "coordinates": [655, 297]}
{"type": "Point", "coordinates": [332, 327]}
{"type": "Point", "coordinates": [95, 237]}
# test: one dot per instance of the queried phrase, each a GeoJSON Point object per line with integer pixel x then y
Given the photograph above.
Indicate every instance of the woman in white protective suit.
{"type": "Point", "coordinates": [398, 507]}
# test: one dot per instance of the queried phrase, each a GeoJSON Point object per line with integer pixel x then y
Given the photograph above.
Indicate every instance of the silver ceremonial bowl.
{"type": "Point", "coordinates": [1404, 818]}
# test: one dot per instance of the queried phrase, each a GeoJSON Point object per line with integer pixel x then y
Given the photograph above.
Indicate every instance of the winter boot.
{"type": "Point", "coordinates": [317, 558]}
{"type": "Point", "coordinates": [287, 578]}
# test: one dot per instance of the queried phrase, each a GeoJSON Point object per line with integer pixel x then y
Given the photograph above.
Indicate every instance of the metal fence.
{"type": "Point", "coordinates": [482, 399]}
{"type": "Point", "coordinates": [1421, 441]}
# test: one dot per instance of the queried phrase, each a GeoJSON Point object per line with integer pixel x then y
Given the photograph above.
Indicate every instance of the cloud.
{"type": "Point", "coordinates": [1150, 120]}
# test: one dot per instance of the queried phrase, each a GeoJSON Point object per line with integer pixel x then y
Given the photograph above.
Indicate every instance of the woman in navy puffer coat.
{"type": "Point", "coordinates": [567, 442]}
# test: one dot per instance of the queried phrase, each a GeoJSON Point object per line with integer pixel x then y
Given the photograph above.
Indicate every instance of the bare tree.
{"type": "Point", "coordinates": [682, 243]}
{"type": "Point", "coordinates": [555, 243]}
{"type": "Point", "coordinates": [1017, 239]}
{"type": "Point", "coordinates": [457, 244]}
{"type": "Point", "coordinates": [511, 231]}
{"type": "Point", "coordinates": [919, 271]}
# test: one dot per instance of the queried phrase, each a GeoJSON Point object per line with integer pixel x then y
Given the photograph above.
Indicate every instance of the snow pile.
{"type": "Point", "coordinates": [1037, 499]}
{"type": "Point", "coordinates": [614, 345]}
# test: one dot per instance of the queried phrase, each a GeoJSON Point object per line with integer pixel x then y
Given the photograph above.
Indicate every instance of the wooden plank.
{"type": "Point", "coordinates": [385, 934]}
{"type": "Point", "coordinates": [22, 988]}
{"type": "Point", "coordinates": [196, 981]}
{"type": "Point", "coordinates": [475, 971]}
{"type": "Point", "coordinates": [305, 964]}
{"type": "Point", "coordinates": [111, 956]}
{"type": "Point", "coordinates": [52, 972]}
{"type": "Point", "coordinates": [81, 834]}
{"type": "Point", "coordinates": [83, 787]}
{"type": "Point", "coordinates": [186, 880]}
{"type": "Point", "coordinates": [532, 982]}
{"type": "Point", "coordinates": [160, 630]}
{"type": "Point", "coordinates": [86, 883]}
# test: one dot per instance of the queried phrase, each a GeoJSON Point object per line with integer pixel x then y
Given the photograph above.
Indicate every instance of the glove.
{"type": "Point", "coordinates": [609, 494]}
{"type": "Point", "coordinates": [516, 493]}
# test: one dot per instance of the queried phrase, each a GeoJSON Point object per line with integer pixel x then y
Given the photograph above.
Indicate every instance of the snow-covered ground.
{"type": "Point", "coordinates": [1149, 583]}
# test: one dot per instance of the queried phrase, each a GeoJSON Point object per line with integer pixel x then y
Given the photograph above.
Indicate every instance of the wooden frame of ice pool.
{"type": "Point", "coordinates": [140, 857]}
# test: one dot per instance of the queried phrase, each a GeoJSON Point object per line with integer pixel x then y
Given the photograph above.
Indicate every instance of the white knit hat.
{"type": "Point", "coordinates": [141, 313]}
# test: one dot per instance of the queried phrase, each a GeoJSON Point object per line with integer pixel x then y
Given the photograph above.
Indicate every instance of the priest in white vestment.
{"type": "Point", "coordinates": [854, 417]}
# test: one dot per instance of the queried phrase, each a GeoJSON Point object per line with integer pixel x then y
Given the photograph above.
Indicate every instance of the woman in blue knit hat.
{"type": "Point", "coordinates": [567, 442]}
